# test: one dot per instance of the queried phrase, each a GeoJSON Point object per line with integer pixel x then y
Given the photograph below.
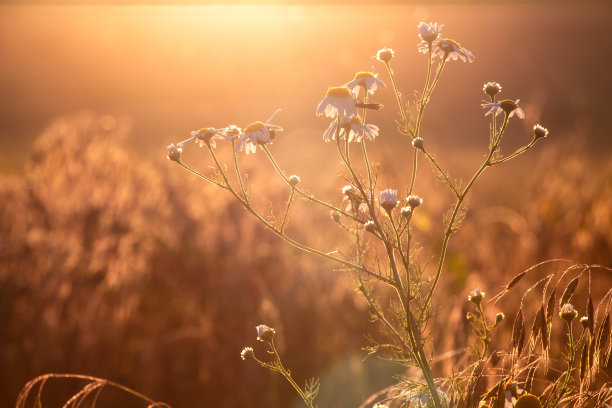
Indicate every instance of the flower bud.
{"type": "Point", "coordinates": [370, 226]}
{"type": "Point", "coordinates": [476, 296]}
{"type": "Point", "coordinates": [174, 153]}
{"type": "Point", "coordinates": [584, 321]}
{"type": "Point", "coordinates": [539, 132]}
{"type": "Point", "coordinates": [492, 88]}
{"type": "Point", "coordinates": [335, 215]}
{"type": "Point", "coordinates": [470, 316]}
{"type": "Point", "coordinates": [568, 312]}
{"type": "Point", "coordinates": [406, 212]}
{"type": "Point", "coordinates": [414, 200]}
{"type": "Point", "coordinates": [294, 180]}
{"type": "Point", "coordinates": [265, 333]}
{"type": "Point", "coordinates": [417, 143]}
{"type": "Point", "coordinates": [247, 353]}
{"type": "Point", "coordinates": [499, 317]}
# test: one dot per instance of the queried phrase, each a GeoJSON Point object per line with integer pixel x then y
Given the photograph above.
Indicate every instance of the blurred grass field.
{"type": "Point", "coordinates": [115, 263]}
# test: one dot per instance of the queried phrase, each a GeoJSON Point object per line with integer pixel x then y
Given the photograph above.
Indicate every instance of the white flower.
{"type": "Point", "coordinates": [174, 153]}
{"type": "Point", "coordinates": [508, 106]}
{"type": "Point", "coordinates": [257, 133]}
{"type": "Point", "coordinates": [367, 80]}
{"type": "Point", "coordinates": [231, 132]}
{"type": "Point", "coordinates": [356, 130]}
{"type": "Point", "coordinates": [388, 199]}
{"type": "Point", "coordinates": [265, 333]}
{"type": "Point", "coordinates": [447, 48]}
{"type": "Point", "coordinates": [338, 102]}
{"type": "Point", "coordinates": [429, 34]}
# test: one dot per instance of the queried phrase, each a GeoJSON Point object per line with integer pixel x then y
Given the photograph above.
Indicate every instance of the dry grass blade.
{"type": "Point", "coordinates": [515, 280]}
{"type": "Point", "coordinates": [590, 316]}
{"type": "Point", "coordinates": [518, 335]}
{"type": "Point", "coordinates": [584, 367]}
{"type": "Point", "coordinates": [545, 335]}
{"type": "Point", "coordinates": [536, 327]}
{"type": "Point", "coordinates": [569, 291]}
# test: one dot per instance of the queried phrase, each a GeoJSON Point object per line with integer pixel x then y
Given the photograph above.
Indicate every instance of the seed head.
{"type": "Point", "coordinates": [370, 226]}
{"type": "Point", "coordinates": [174, 153]}
{"type": "Point", "coordinates": [492, 88]}
{"type": "Point", "coordinates": [476, 296]}
{"type": "Point", "coordinates": [568, 312]}
{"type": "Point", "coordinates": [539, 131]}
{"type": "Point", "coordinates": [417, 143]}
{"type": "Point", "coordinates": [265, 333]}
{"type": "Point", "coordinates": [294, 180]}
{"type": "Point", "coordinates": [385, 55]}
{"type": "Point", "coordinates": [414, 200]}
{"type": "Point", "coordinates": [247, 353]}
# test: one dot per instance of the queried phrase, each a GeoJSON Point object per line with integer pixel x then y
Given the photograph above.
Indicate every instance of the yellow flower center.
{"type": "Point", "coordinates": [364, 75]}
{"type": "Point", "coordinates": [448, 45]}
{"type": "Point", "coordinates": [528, 401]}
{"type": "Point", "coordinates": [204, 130]}
{"type": "Point", "coordinates": [339, 92]}
{"type": "Point", "coordinates": [507, 105]}
{"type": "Point", "coordinates": [355, 120]}
{"type": "Point", "coordinates": [253, 127]}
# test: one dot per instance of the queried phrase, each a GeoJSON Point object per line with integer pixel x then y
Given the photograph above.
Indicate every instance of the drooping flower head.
{"type": "Point", "coordinates": [429, 32]}
{"type": "Point", "coordinates": [385, 55]}
{"type": "Point", "coordinates": [368, 80]}
{"type": "Point", "coordinates": [508, 106]}
{"type": "Point", "coordinates": [337, 102]}
{"type": "Point", "coordinates": [355, 129]}
{"type": "Point", "coordinates": [450, 49]}
{"type": "Point", "coordinates": [388, 199]}
{"type": "Point", "coordinates": [257, 133]}
{"type": "Point", "coordinates": [205, 136]}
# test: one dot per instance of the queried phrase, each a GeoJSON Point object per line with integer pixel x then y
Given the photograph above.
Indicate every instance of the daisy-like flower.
{"type": "Point", "coordinates": [388, 199]}
{"type": "Point", "coordinates": [257, 133]}
{"type": "Point", "coordinates": [476, 296]}
{"type": "Point", "coordinates": [429, 34]}
{"type": "Point", "coordinates": [447, 48]}
{"type": "Point", "coordinates": [568, 312]}
{"type": "Point", "coordinates": [232, 132]}
{"type": "Point", "coordinates": [508, 106]}
{"type": "Point", "coordinates": [385, 54]}
{"type": "Point", "coordinates": [368, 80]}
{"type": "Point", "coordinates": [174, 153]}
{"type": "Point", "coordinates": [338, 102]}
{"type": "Point", "coordinates": [356, 130]}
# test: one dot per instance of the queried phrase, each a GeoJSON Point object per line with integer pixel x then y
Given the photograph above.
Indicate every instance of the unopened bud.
{"type": "Point", "coordinates": [499, 317]}
{"type": "Point", "coordinates": [539, 132]}
{"type": "Point", "coordinates": [414, 200]}
{"type": "Point", "coordinates": [417, 143]}
{"type": "Point", "coordinates": [174, 153]}
{"type": "Point", "coordinates": [385, 55]}
{"type": "Point", "coordinates": [492, 88]}
{"type": "Point", "coordinates": [335, 215]}
{"type": "Point", "coordinates": [584, 321]}
{"type": "Point", "coordinates": [247, 353]}
{"type": "Point", "coordinates": [294, 180]}
{"type": "Point", "coordinates": [370, 226]}
{"type": "Point", "coordinates": [476, 296]}
{"type": "Point", "coordinates": [406, 212]}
